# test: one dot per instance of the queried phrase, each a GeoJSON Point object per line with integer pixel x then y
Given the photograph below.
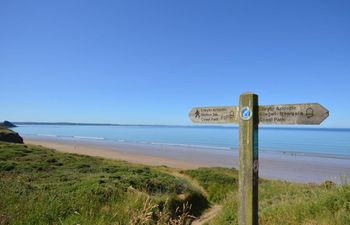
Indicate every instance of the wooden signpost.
{"type": "Point", "coordinates": [249, 115]}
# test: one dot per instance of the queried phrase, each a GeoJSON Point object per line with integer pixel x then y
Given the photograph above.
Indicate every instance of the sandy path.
{"type": "Point", "coordinates": [207, 215]}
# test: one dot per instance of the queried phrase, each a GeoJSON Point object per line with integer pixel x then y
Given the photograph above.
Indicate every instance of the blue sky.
{"type": "Point", "coordinates": [149, 62]}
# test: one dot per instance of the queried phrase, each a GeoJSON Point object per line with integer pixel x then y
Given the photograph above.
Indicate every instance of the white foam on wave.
{"type": "Point", "coordinates": [191, 145]}
{"type": "Point", "coordinates": [86, 137]}
{"type": "Point", "coordinates": [47, 135]}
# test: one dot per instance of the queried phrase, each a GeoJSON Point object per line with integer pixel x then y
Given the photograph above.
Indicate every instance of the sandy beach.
{"type": "Point", "coordinates": [296, 168]}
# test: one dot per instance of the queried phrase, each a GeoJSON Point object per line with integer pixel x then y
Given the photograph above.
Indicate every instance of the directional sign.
{"type": "Point", "coordinates": [217, 114]}
{"type": "Point", "coordinates": [245, 114]}
{"type": "Point", "coordinates": [312, 113]}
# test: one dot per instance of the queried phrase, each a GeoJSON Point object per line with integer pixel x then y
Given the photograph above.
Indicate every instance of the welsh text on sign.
{"type": "Point", "coordinates": [217, 114]}
{"type": "Point", "coordinates": [312, 113]}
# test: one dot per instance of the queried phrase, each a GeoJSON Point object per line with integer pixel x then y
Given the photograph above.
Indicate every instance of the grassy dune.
{"type": "Point", "coordinates": [43, 186]}
{"type": "Point", "coordinates": [279, 202]}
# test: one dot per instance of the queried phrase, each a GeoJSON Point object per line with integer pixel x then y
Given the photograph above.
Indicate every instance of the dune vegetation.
{"type": "Point", "coordinates": [279, 202]}
{"type": "Point", "coordinates": [43, 186]}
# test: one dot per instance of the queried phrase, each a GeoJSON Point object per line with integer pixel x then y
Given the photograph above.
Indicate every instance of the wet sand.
{"type": "Point", "coordinates": [296, 168]}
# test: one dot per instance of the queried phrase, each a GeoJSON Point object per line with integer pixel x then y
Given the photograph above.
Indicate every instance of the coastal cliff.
{"type": "Point", "coordinates": [7, 124]}
{"type": "Point", "coordinates": [8, 135]}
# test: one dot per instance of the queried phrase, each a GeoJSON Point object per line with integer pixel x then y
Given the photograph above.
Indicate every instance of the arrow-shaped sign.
{"type": "Point", "coordinates": [216, 114]}
{"type": "Point", "coordinates": [311, 113]}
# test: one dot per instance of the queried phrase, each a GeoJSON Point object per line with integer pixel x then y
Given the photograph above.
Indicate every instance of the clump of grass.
{"type": "Point", "coordinates": [152, 210]}
{"type": "Point", "coordinates": [217, 181]}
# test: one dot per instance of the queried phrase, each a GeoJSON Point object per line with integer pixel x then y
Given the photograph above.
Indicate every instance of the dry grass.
{"type": "Point", "coordinates": [151, 210]}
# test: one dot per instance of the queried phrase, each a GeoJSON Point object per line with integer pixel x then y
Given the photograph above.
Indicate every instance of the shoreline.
{"type": "Point", "coordinates": [294, 168]}
{"type": "Point", "coordinates": [115, 154]}
{"type": "Point", "coordinates": [190, 146]}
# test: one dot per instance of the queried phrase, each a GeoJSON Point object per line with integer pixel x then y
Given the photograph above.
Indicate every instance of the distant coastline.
{"type": "Point", "coordinates": [192, 126]}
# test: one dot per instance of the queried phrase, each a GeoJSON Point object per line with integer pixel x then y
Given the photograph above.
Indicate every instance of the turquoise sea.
{"type": "Point", "coordinates": [307, 141]}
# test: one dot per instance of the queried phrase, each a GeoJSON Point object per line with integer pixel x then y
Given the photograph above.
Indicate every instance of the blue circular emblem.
{"type": "Point", "coordinates": [246, 114]}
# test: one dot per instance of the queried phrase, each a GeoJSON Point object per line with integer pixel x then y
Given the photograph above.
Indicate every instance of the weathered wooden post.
{"type": "Point", "coordinates": [248, 159]}
{"type": "Point", "coordinates": [249, 115]}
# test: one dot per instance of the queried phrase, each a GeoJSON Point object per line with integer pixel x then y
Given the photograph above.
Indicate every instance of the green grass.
{"type": "Point", "coordinates": [279, 202]}
{"type": "Point", "coordinates": [5, 130]}
{"type": "Point", "coordinates": [217, 181]}
{"type": "Point", "coordinates": [43, 186]}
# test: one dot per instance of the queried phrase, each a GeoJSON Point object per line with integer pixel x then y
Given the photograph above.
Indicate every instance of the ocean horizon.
{"type": "Point", "coordinates": [323, 142]}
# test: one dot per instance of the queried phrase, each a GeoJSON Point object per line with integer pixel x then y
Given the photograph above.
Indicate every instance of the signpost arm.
{"type": "Point", "coordinates": [248, 159]}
